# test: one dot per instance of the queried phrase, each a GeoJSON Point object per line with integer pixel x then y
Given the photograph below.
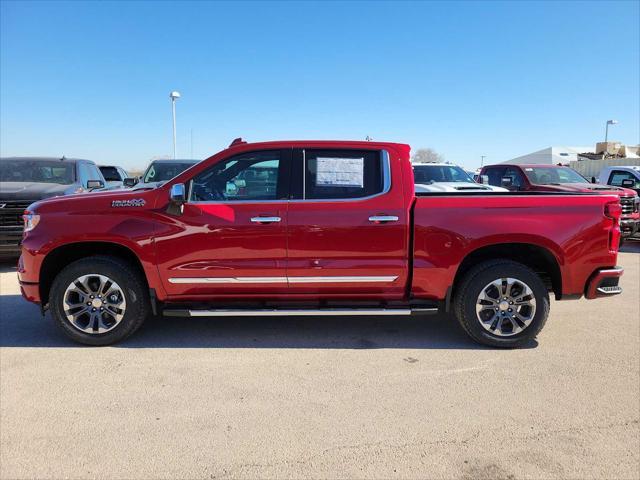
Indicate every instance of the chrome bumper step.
{"type": "Point", "coordinates": [610, 290]}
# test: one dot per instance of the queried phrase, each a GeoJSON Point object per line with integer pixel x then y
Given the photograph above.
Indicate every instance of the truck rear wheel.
{"type": "Point", "coordinates": [501, 303]}
{"type": "Point", "coordinates": [99, 300]}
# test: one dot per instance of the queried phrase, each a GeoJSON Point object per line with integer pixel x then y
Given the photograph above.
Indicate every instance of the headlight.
{"type": "Point", "coordinates": [31, 220]}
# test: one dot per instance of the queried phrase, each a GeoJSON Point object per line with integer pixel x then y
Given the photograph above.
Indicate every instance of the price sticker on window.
{"type": "Point", "coordinates": [340, 172]}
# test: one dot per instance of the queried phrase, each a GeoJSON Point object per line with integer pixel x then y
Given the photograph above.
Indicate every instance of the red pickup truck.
{"type": "Point", "coordinates": [314, 228]}
{"type": "Point", "coordinates": [557, 178]}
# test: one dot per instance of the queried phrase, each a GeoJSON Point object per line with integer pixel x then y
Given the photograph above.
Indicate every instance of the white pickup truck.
{"type": "Point", "coordinates": [447, 178]}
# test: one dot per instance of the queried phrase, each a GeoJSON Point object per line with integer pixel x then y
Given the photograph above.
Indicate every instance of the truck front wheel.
{"type": "Point", "coordinates": [501, 303]}
{"type": "Point", "coordinates": [99, 300]}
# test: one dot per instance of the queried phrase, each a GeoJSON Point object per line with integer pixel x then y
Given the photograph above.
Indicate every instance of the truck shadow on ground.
{"type": "Point", "coordinates": [630, 246]}
{"type": "Point", "coordinates": [22, 326]}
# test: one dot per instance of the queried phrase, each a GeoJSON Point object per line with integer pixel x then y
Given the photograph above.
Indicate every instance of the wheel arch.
{"type": "Point", "coordinates": [63, 255]}
{"type": "Point", "coordinates": [540, 259]}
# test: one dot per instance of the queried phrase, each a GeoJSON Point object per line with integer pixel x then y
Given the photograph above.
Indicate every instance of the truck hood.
{"type": "Point", "coordinates": [593, 187]}
{"type": "Point", "coordinates": [456, 187]}
{"type": "Point", "coordinates": [32, 191]}
{"type": "Point", "coordinates": [103, 201]}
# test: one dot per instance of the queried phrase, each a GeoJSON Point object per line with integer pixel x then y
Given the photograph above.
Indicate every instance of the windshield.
{"type": "Point", "coordinates": [110, 174]}
{"type": "Point", "coordinates": [553, 175]}
{"type": "Point", "coordinates": [37, 171]}
{"type": "Point", "coordinates": [163, 171]}
{"type": "Point", "coordinates": [440, 173]}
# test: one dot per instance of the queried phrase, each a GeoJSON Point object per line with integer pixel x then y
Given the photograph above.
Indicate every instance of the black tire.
{"type": "Point", "coordinates": [472, 284]}
{"type": "Point", "coordinates": [127, 277]}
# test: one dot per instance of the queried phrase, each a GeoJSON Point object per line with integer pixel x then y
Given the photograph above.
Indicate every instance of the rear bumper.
{"type": "Point", "coordinates": [604, 283]}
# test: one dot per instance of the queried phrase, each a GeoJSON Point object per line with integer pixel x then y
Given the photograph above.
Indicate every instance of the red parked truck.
{"type": "Point", "coordinates": [315, 228]}
{"type": "Point", "coordinates": [556, 178]}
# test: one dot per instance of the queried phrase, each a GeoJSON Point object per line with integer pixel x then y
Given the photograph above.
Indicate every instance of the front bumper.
{"type": "Point", "coordinates": [629, 227]}
{"type": "Point", "coordinates": [604, 283]}
{"type": "Point", "coordinates": [30, 291]}
{"type": "Point", "coordinates": [10, 243]}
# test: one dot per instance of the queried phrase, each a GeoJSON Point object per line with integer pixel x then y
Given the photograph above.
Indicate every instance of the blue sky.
{"type": "Point", "coordinates": [466, 78]}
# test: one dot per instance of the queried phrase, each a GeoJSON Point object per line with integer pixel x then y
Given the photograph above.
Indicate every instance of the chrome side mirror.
{"type": "Point", "coordinates": [94, 184]}
{"type": "Point", "coordinates": [130, 182]}
{"type": "Point", "coordinates": [177, 194]}
{"type": "Point", "coordinates": [628, 183]}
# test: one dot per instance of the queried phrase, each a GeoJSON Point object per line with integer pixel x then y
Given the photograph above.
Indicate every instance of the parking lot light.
{"type": "Point", "coordinates": [174, 96]}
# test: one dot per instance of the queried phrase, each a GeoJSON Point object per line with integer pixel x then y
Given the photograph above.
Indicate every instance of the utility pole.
{"type": "Point", "coordinates": [482, 157]}
{"type": "Point", "coordinates": [606, 131]}
{"type": "Point", "coordinates": [174, 96]}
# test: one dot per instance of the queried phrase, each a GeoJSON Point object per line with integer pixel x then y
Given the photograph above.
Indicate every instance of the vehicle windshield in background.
{"type": "Point", "coordinates": [110, 174]}
{"type": "Point", "coordinates": [163, 171]}
{"type": "Point", "coordinates": [37, 171]}
{"type": "Point", "coordinates": [440, 173]}
{"type": "Point", "coordinates": [553, 176]}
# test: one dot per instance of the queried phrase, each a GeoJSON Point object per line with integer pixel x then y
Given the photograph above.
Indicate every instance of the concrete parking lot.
{"type": "Point", "coordinates": [324, 397]}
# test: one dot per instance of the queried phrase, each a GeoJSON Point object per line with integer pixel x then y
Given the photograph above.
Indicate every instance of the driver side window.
{"type": "Point", "coordinates": [247, 177]}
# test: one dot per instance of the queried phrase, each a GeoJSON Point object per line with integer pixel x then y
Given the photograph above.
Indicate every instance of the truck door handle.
{"type": "Point", "coordinates": [265, 219]}
{"type": "Point", "coordinates": [383, 218]}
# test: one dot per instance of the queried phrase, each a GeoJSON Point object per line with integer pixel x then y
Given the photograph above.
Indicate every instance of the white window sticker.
{"type": "Point", "coordinates": [340, 172]}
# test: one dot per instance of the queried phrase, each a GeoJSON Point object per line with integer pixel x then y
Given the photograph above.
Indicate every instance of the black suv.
{"type": "Point", "coordinates": [24, 180]}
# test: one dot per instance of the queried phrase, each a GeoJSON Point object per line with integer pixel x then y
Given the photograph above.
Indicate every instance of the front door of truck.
{"type": "Point", "coordinates": [347, 225]}
{"type": "Point", "coordinates": [230, 238]}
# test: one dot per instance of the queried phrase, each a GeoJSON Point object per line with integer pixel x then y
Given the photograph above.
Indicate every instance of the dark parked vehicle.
{"type": "Point", "coordinates": [159, 171]}
{"type": "Point", "coordinates": [113, 175]}
{"type": "Point", "coordinates": [25, 180]}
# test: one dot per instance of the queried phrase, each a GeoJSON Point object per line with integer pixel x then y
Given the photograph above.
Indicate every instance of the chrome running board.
{"type": "Point", "coordinates": [295, 312]}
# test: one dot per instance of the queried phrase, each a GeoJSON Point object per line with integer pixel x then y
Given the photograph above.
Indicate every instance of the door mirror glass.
{"type": "Point", "coordinates": [506, 182]}
{"type": "Point", "coordinates": [94, 184]}
{"type": "Point", "coordinates": [177, 194]}
{"type": "Point", "coordinates": [593, 180]}
{"type": "Point", "coordinates": [129, 182]}
{"type": "Point", "coordinates": [483, 179]}
{"type": "Point", "coordinates": [628, 183]}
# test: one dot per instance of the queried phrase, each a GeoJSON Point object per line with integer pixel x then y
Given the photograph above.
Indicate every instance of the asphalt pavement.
{"type": "Point", "coordinates": [324, 397]}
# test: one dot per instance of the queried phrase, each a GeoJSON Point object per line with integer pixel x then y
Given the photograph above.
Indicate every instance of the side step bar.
{"type": "Point", "coordinates": [296, 312]}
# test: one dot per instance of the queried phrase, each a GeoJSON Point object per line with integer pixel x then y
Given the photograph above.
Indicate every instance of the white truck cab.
{"type": "Point", "coordinates": [445, 177]}
{"type": "Point", "coordinates": [628, 177]}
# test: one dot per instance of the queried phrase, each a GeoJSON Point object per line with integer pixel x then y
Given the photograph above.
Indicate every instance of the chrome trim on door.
{"type": "Point", "coordinates": [265, 219]}
{"type": "Point", "coordinates": [380, 279]}
{"type": "Point", "coordinates": [383, 218]}
{"type": "Point", "coordinates": [342, 279]}
{"type": "Point", "coordinates": [228, 280]}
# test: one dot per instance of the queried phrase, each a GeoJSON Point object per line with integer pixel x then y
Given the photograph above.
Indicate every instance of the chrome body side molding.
{"type": "Point", "coordinates": [260, 280]}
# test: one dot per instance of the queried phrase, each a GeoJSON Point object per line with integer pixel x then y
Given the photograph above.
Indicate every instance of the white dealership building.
{"type": "Point", "coordinates": [553, 155]}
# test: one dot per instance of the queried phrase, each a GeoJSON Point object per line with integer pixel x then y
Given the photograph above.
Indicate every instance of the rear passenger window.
{"type": "Point", "coordinates": [342, 174]}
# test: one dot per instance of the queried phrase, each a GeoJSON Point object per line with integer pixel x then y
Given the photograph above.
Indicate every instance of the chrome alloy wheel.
{"type": "Point", "coordinates": [94, 303]}
{"type": "Point", "coordinates": [506, 306]}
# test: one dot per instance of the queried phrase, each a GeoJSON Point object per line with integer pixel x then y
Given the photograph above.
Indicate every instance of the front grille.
{"type": "Point", "coordinates": [11, 213]}
{"type": "Point", "coordinates": [628, 205]}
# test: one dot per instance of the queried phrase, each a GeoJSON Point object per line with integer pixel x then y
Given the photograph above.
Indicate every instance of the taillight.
{"type": "Point", "coordinates": [613, 210]}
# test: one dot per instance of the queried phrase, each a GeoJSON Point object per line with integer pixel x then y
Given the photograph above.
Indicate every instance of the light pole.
{"type": "Point", "coordinates": [606, 131]}
{"type": "Point", "coordinates": [174, 96]}
{"type": "Point", "coordinates": [482, 157]}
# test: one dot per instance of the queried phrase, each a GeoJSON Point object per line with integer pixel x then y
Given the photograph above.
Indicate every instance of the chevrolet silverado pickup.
{"type": "Point", "coordinates": [25, 180]}
{"type": "Point", "coordinates": [315, 228]}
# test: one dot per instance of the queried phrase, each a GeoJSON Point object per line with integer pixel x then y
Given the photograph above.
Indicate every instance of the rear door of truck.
{"type": "Point", "coordinates": [348, 228]}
